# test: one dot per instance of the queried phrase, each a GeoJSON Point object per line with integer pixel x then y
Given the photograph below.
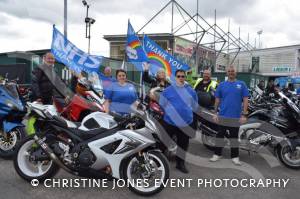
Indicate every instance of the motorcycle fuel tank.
{"type": "Point", "coordinates": [98, 120]}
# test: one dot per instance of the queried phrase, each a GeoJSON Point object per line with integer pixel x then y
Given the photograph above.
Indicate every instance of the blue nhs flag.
{"type": "Point", "coordinates": [71, 56]}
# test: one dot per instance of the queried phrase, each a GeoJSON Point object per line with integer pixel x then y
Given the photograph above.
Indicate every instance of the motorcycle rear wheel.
{"type": "Point", "coordinates": [28, 169]}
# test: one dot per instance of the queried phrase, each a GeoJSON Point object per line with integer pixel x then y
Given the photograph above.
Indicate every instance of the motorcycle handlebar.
{"type": "Point", "coordinates": [119, 118]}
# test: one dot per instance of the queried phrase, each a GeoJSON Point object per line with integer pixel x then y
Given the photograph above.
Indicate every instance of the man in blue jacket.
{"type": "Point", "coordinates": [179, 101]}
{"type": "Point", "coordinates": [230, 96]}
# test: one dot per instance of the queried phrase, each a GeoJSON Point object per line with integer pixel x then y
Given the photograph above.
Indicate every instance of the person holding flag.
{"type": "Point", "coordinates": [46, 83]}
{"type": "Point", "coordinates": [160, 82]}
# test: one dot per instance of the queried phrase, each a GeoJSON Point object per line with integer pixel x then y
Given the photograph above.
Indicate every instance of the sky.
{"type": "Point", "coordinates": [27, 24]}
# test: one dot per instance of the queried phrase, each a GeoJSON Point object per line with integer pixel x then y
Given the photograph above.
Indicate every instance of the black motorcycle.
{"type": "Point", "coordinates": [275, 126]}
{"type": "Point", "coordinates": [286, 118]}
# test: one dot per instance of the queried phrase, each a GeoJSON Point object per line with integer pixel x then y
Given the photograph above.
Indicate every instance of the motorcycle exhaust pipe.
{"type": "Point", "coordinates": [53, 157]}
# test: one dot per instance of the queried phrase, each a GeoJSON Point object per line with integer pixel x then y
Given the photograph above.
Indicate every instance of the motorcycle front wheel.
{"type": "Point", "coordinates": [147, 178]}
{"type": "Point", "coordinates": [10, 142]}
{"type": "Point", "coordinates": [29, 169]}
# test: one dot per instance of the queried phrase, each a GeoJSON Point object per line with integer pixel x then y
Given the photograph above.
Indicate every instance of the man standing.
{"type": "Point", "coordinates": [107, 79]}
{"type": "Point", "coordinates": [179, 101]}
{"type": "Point", "coordinates": [107, 72]}
{"type": "Point", "coordinates": [205, 88]}
{"type": "Point", "coordinates": [205, 83]}
{"type": "Point", "coordinates": [270, 89]}
{"type": "Point", "coordinates": [230, 96]}
{"type": "Point", "coordinates": [45, 81]}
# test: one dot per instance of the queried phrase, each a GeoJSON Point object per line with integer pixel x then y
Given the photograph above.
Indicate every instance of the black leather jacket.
{"type": "Point", "coordinates": [46, 83]}
{"type": "Point", "coordinates": [153, 81]}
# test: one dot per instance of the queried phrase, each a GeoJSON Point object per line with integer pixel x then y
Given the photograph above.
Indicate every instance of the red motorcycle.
{"type": "Point", "coordinates": [85, 101]}
{"type": "Point", "coordinates": [155, 110]}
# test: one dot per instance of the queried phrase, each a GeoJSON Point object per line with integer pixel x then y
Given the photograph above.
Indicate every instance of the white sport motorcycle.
{"type": "Point", "coordinates": [101, 146]}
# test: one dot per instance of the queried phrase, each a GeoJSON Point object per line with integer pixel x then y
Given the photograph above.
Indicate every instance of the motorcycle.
{"type": "Point", "coordinates": [260, 100]}
{"type": "Point", "coordinates": [100, 146]}
{"type": "Point", "coordinates": [286, 118]}
{"type": "Point", "coordinates": [86, 101]}
{"type": "Point", "coordinates": [12, 111]}
{"type": "Point", "coordinates": [253, 137]}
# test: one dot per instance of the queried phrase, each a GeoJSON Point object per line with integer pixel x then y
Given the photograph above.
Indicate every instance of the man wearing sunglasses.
{"type": "Point", "coordinates": [179, 101]}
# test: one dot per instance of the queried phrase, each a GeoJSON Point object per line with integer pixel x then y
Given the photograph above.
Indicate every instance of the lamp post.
{"type": "Point", "coordinates": [88, 22]}
{"type": "Point", "coordinates": [259, 33]}
{"type": "Point", "coordinates": [66, 18]}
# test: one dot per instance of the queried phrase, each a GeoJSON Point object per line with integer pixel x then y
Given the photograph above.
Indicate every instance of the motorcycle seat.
{"type": "Point", "coordinates": [85, 135]}
{"type": "Point", "coordinates": [60, 121]}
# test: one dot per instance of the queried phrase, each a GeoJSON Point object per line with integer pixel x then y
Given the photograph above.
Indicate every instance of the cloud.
{"type": "Point", "coordinates": [224, 8]}
{"type": "Point", "coordinates": [28, 24]}
{"type": "Point", "coordinates": [7, 31]}
{"type": "Point", "coordinates": [31, 9]}
{"type": "Point", "coordinates": [50, 11]}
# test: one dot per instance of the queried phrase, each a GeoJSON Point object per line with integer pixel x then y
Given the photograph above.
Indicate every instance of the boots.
{"type": "Point", "coordinates": [180, 165]}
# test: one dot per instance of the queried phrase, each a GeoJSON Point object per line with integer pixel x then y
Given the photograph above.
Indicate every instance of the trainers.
{"type": "Point", "coordinates": [215, 158]}
{"type": "Point", "coordinates": [236, 161]}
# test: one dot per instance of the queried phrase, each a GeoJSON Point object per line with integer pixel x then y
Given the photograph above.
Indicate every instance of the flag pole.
{"type": "Point", "coordinates": [142, 80]}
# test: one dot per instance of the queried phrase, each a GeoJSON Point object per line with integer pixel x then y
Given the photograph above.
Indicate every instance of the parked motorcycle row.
{"type": "Point", "coordinates": [80, 138]}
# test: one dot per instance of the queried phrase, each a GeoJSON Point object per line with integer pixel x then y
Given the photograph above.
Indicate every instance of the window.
{"type": "Point", "coordinates": [252, 83]}
{"type": "Point", "coordinates": [163, 44]}
{"type": "Point", "coordinates": [35, 60]}
{"type": "Point", "coordinates": [117, 51]}
{"type": "Point", "coordinates": [255, 64]}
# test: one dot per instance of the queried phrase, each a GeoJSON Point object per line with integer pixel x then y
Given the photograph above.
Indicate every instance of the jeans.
{"type": "Point", "coordinates": [182, 139]}
{"type": "Point", "coordinates": [232, 134]}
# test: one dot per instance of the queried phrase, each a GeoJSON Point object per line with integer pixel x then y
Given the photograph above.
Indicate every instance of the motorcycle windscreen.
{"type": "Point", "coordinates": [11, 89]}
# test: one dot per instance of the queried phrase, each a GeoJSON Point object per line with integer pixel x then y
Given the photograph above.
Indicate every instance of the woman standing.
{"type": "Point", "coordinates": [120, 95]}
{"type": "Point", "coordinates": [160, 81]}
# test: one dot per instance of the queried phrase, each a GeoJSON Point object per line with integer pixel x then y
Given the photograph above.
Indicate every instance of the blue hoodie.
{"type": "Point", "coordinates": [179, 103]}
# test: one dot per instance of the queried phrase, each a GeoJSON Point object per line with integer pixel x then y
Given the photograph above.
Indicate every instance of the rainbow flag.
{"type": "Point", "coordinates": [134, 50]}
{"type": "Point", "coordinates": [160, 58]}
